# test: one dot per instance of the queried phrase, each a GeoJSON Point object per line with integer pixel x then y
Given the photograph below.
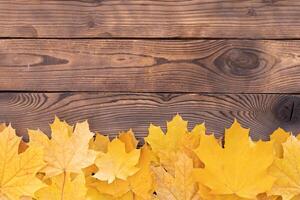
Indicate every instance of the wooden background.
{"type": "Point", "coordinates": [125, 63]}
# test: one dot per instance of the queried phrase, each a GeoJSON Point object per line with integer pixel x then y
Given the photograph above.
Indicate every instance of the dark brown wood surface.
{"type": "Point", "coordinates": [125, 64]}
{"type": "Point", "coordinates": [150, 18]}
{"type": "Point", "coordinates": [110, 113]}
{"type": "Point", "coordinates": [218, 66]}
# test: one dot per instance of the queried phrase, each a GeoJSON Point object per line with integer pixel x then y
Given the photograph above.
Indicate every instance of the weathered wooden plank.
{"type": "Point", "coordinates": [149, 18]}
{"type": "Point", "coordinates": [110, 113]}
{"type": "Point", "coordinates": [219, 66]}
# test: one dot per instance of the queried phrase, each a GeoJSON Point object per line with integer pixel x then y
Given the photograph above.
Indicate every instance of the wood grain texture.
{"type": "Point", "coordinates": [218, 66]}
{"type": "Point", "coordinates": [110, 113]}
{"type": "Point", "coordinates": [150, 18]}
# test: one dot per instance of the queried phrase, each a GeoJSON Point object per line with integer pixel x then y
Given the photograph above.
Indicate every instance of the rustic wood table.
{"type": "Point", "coordinates": [124, 64]}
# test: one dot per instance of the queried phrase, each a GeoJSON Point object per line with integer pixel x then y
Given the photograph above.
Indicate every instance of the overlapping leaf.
{"type": "Point", "coordinates": [287, 171]}
{"type": "Point", "coordinates": [180, 186]}
{"type": "Point", "coordinates": [177, 138]}
{"type": "Point", "coordinates": [67, 150]}
{"type": "Point", "coordinates": [128, 174]}
{"type": "Point", "coordinates": [18, 170]}
{"type": "Point", "coordinates": [74, 163]}
{"type": "Point", "coordinates": [240, 168]}
{"type": "Point", "coordinates": [64, 187]}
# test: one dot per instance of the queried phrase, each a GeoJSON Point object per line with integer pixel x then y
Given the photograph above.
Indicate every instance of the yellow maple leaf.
{"type": "Point", "coordinates": [206, 194]}
{"type": "Point", "coordinates": [129, 140]}
{"type": "Point", "coordinates": [287, 171]}
{"type": "Point", "coordinates": [99, 143]}
{"type": "Point", "coordinates": [278, 137]}
{"type": "Point", "coordinates": [2, 126]}
{"type": "Point", "coordinates": [18, 170]}
{"type": "Point", "coordinates": [68, 150]}
{"type": "Point", "coordinates": [177, 138]}
{"type": "Point", "coordinates": [116, 189]}
{"type": "Point", "coordinates": [180, 186]}
{"type": "Point", "coordinates": [141, 183]}
{"type": "Point", "coordinates": [101, 190]}
{"type": "Point", "coordinates": [240, 168]}
{"type": "Point", "coordinates": [116, 163]}
{"type": "Point", "coordinates": [64, 187]}
{"type": "Point", "coordinates": [98, 190]}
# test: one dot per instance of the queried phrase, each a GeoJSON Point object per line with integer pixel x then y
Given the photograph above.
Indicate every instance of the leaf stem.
{"type": "Point", "coordinates": [63, 186]}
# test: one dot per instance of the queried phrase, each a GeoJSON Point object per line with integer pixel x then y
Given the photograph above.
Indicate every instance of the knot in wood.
{"type": "Point", "coordinates": [288, 110]}
{"type": "Point", "coordinates": [243, 62]}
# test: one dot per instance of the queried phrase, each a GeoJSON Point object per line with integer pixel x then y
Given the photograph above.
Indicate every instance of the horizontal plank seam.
{"type": "Point", "coordinates": [150, 92]}
{"type": "Point", "coordinates": [145, 38]}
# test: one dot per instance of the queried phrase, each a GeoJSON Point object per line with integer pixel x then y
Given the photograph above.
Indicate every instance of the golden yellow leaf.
{"type": "Point", "coordinates": [94, 194]}
{"type": "Point", "coordinates": [180, 186]}
{"type": "Point", "coordinates": [129, 140]}
{"type": "Point", "coordinates": [206, 194]}
{"type": "Point", "coordinates": [264, 196]}
{"type": "Point", "coordinates": [177, 138]}
{"type": "Point", "coordinates": [158, 141]}
{"type": "Point", "coordinates": [18, 170]}
{"type": "Point", "coordinates": [68, 150]}
{"type": "Point", "coordinates": [278, 137]}
{"type": "Point", "coordinates": [2, 126]}
{"type": "Point", "coordinates": [22, 146]}
{"type": "Point", "coordinates": [141, 183]}
{"type": "Point", "coordinates": [113, 190]}
{"type": "Point", "coordinates": [61, 129]}
{"type": "Point", "coordinates": [99, 143]}
{"type": "Point", "coordinates": [240, 168]}
{"type": "Point", "coordinates": [116, 189]}
{"type": "Point", "coordinates": [287, 170]}
{"type": "Point", "coordinates": [116, 163]}
{"type": "Point", "coordinates": [64, 187]}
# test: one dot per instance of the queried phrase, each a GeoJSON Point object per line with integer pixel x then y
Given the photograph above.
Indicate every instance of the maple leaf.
{"type": "Point", "coordinates": [206, 194]}
{"type": "Point", "coordinates": [68, 150]}
{"type": "Point", "coordinates": [129, 140]}
{"type": "Point", "coordinates": [180, 186]}
{"type": "Point", "coordinates": [116, 189]}
{"type": "Point", "coordinates": [287, 171]}
{"type": "Point", "coordinates": [240, 168]}
{"type": "Point", "coordinates": [18, 170]}
{"type": "Point", "coordinates": [278, 137]}
{"type": "Point", "coordinates": [2, 126]}
{"type": "Point", "coordinates": [99, 143]}
{"type": "Point", "coordinates": [116, 163]}
{"type": "Point", "coordinates": [101, 189]}
{"type": "Point", "coordinates": [64, 187]}
{"type": "Point", "coordinates": [140, 184]}
{"type": "Point", "coordinates": [177, 138]}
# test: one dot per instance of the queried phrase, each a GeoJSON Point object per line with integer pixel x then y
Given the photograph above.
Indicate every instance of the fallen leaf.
{"type": "Point", "coordinates": [68, 150]}
{"type": "Point", "coordinates": [278, 137]}
{"type": "Point", "coordinates": [18, 170]}
{"type": "Point", "coordinates": [180, 186]}
{"type": "Point", "coordinates": [287, 171]}
{"type": "Point", "coordinates": [64, 187]}
{"type": "Point", "coordinates": [99, 143]}
{"type": "Point", "coordinates": [177, 138]}
{"type": "Point", "coordinates": [141, 183]}
{"type": "Point", "coordinates": [116, 163]}
{"type": "Point", "coordinates": [240, 168]}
